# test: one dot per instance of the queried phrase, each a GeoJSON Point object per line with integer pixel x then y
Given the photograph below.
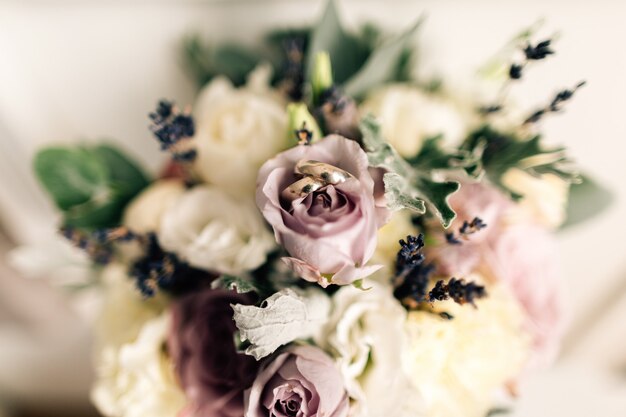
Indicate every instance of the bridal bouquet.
{"type": "Point", "coordinates": [329, 237]}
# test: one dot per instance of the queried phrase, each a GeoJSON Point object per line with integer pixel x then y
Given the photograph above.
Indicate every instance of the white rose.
{"type": "Point", "coordinates": [237, 130]}
{"type": "Point", "coordinates": [214, 231]}
{"type": "Point", "coordinates": [545, 197]}
{"type": "Point", "coordinates": [136, 379]}
{"type": "Point", "coordinates": [144, 212]}
{"type": "Point", "coordinates": [366, 334]}
{"type": "Point", "coordinates": [408, 116]}
{"type": "Point", "coordinates": [459, 364]}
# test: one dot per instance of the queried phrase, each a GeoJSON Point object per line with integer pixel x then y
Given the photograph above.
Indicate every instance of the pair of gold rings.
{"type": "Point", "coordinates": [315, 175]}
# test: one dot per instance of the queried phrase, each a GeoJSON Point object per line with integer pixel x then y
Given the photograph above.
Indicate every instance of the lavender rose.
{"type": "Point", "coordinates": [328, 226]}
{"type": "Point", "coordinates": [213, 374]}
{"type": "Point", "coordinates": [302, 382]}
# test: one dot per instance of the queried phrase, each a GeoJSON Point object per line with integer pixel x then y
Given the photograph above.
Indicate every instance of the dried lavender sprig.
{"type": "Point", "coordinates": [173, 129]}
{"type": "Point", "coordinates": [531, 53]}
{"type": "Point", "coordinates": [97, 244]}
{"type": "Point", "coordinates": [555, 106]}
{"type": "Point", "coordinates": [539, 51]}
{"type": "Point", "coordinates": [467, 229]}
{"type": "Point", "coordinates": [460, 291]}
{"type": "Point", "coordinates": [413, 274]}
{"type": "Point", "coordinates": [158, 269]}
{"type": "Point", "coordinates": [410, 253]}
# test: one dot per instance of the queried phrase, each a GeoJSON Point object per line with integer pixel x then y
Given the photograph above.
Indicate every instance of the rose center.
{"type": "Point", "coordinates": [288, 407]}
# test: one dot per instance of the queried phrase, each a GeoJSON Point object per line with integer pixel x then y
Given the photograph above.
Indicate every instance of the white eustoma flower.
{"type": "Point", "coordinates": [237, 130]}
{"type": "Point", "coordinates": [545, 197]}
{"type": "Point", "coordinates": [366, 335]}
{"type": "Point", "coordinates": [134, 375]}
{"type": "Point", "coordinates": [214, 231]}
{"type": "Point", "coordinates": [409, 115]}
{"type": "Point", "coordinates": [143, 214]}
{"type": "Point", "coordinates": [459, 364]}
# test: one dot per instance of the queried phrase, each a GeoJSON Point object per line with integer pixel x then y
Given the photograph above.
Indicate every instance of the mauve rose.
{"type": "Point", "coordinates": [302, 382]}
{"type": "Point", "coordinates": [201, 343]}
{"type": "Point", "coordinates": [331, 232]}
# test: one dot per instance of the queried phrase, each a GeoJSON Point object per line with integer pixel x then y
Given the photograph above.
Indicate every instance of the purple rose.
{"type": "Point", "coordinates": [201, 343]}
{"type": "Point", "coordinates": [330, 232]}
{"type": "Point", "coordinates": [302, 382]}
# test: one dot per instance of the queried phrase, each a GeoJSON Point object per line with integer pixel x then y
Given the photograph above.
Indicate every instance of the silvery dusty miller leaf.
{"type": "Point", "coordinates": [229, 282]}
{"type": "Point", "coordinates": [405, 185]}
{"type": "Point", "coordinates": [282, 318]}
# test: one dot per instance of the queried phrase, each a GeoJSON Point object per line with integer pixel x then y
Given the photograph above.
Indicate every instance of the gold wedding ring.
{"type": "Point", "coordinates": [315, 175]}
{"type": "Point", "coordinates": [324, 172]}
{"type": "Point", "coordinates": [301, 188]}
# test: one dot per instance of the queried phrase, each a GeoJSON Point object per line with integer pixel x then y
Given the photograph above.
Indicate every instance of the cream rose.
{"type": "Point", "coordinates": [365, 333]}
{"type": "Point", "coordinates": [144, 213]}
{"type": "Point", "coordinates": [214, 231]}
{"type": "Point", "coordinates": [545, 197]}
{"type": "Point", "coordinates": [459, 364]}
{"type": "Point", "coordinates": [244, 127]}
{"type": "Point", "coordinates": [408, 116]}
{"type": "Point", "coordinates": [137, 379]}
{"type": "Point", "coordinates": [134, 377]}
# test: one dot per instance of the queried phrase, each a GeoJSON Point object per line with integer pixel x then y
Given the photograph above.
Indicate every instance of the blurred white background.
{"type": "Point", "coordinates": [75, 70]}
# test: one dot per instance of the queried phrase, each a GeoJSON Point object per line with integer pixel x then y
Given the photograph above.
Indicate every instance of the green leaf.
{"type": "Point", "coordinates": [500, 152]}
{"type": "Point", "coordinates": [586, 200]}
{"type": "Point", "coordinates": [125, 176]}
{"type": "Point", "coordinates": [72, 176]}
{"type": "Point", "coordinates": [235, 62]}
{"type": "Point", "coordinates": [233, 283]}
{"type": "Point", "coordinates": [432, 155]}
{"type": "Point", "coordinates": [102, 210]}
{"type": "Point", "coordinates": [407, 186]}
{"type": "Point", "coordinates": [204, 62]}
{"type": "Point", "coordinates": [389, 62]}
{"type": "Point", "coordinates": [90, 185]}
{"type": "Point", "coordinates": [347, 52]}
